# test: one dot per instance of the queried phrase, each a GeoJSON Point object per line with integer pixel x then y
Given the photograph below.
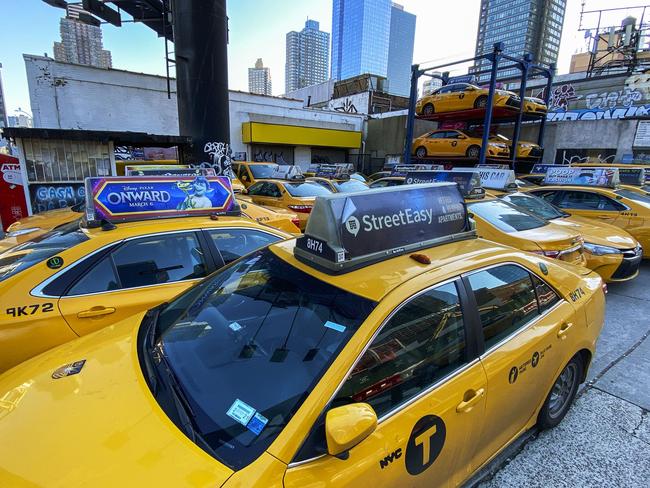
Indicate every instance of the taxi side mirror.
{"type": "Point", "coordinates": [347, 426]}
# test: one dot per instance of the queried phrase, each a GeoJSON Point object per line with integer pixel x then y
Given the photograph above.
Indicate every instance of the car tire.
{"type": "Point", "coordinates": [562, 394]}
{"type": "Point", "coordinates": [473, 152]}
{"type": "Point", "coordinates": [481, 102]}
{"type": "Point", "coordinates": [428, 109]}
{"type": "Point", "coordinates": [421, 152]}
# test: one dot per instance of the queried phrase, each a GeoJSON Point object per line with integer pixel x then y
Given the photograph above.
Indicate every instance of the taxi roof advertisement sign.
{"type": "Point", "coordinates": [348, 230]}
{"type": "Point", "coordinates": [468, 182]}
{"type": "Point", "coordinates": [540, 169]}
{"type": "Point", "coordinates": [563, 175]}
{"type": "Point", "coordinates": [492, 178]}
{"type": "Point", "coordinates": [138, 198]}
{"type": "Point", "coordinates": [633, 176]}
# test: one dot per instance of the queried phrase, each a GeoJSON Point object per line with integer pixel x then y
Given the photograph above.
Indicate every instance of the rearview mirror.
{"type": "Point", "coordinates": [347, 426]}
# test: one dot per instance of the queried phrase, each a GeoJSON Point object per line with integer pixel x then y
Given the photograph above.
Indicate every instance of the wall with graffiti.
{"type": "Point", "coordinates": [613, 97]}
{"type": "Point", "coordinates": [55, 195]}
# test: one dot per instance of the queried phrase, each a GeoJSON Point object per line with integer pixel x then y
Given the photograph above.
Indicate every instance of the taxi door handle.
{"type": "Point", "coordinates": [468, 403]}
{"type": "Point", "coordinates": [95, 312]}
{"type": "Point", "coordinates": [602, 216]}
{"type": "Point", "coordinates": [563, 330]}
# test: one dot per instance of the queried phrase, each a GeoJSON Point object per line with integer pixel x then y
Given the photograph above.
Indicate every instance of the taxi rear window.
{"type": "Point", "coordinates": [262, 170]}
{"type": "Point", "coordinates": [634, 196]}
{"type": "Point", "coordinates": [506, 217]}
{"type": "Point", "coordinates": [248, 345]}
{"type": "Point", "coordinates": [307, 189]}
{"type": "Point", "coordinates": [37, 250]}
{"type": "Point", "coordinates": [535, 205]}
{"type": "Point", "coordinates": [351, 185]}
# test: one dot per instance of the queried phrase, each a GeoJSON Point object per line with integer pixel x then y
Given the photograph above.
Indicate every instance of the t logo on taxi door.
{"type": "Point", "coordinates": [425, 444]}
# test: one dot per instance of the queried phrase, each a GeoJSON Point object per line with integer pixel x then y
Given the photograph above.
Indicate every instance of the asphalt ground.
{"type": "Point", "coordinates": [604, 440]}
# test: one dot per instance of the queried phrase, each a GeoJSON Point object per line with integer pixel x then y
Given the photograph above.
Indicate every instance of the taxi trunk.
{"type": "Point", "coordinates": [557, 244]}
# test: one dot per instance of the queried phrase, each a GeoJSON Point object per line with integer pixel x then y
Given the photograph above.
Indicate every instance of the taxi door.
{"type": "Point", "coordinates": [137, 275]}
{"type": "Point", "coordinates": [524, 347]}
{"type": "Point", "coordinates": [428, 390]}
{"type": "Point", "coordinates": [593, 205]}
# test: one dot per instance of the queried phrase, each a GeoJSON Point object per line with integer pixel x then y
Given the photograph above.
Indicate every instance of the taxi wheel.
{"type": "Point", "coordinates": [562, 394]}
{"type": "Point", "coordinates": [428, 109]}
{"type": "Point", "coordinates": [480, 102]}
{"type": "Point", "coordinates": [421, 152]}
{"type": "Point", "coordinates": [473, 152]}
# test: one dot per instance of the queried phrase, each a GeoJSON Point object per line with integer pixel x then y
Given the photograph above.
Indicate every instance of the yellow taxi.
{"type": "Point", "coordinates": [464, 96]}
{"type": "Point", "coordinates": [535, 106]}
{"type": "Point", "coordinates": [635, 177]}
{"type": "Point", "coordinates": [81, 277]}
{"type": "Point", "coordinates": [295, 195]}
{"type": "Point", "coordinates": [595, 193]}
{"type": "Point", "coordinates": [456, 143]}
{"type": "Point", "coordinates": [386, 344]}
{"type": "Point", "coordinates": [249, 173]}
{"type": "Point", "coordinates": [35, 225]}
{"type": "Point", "coordinates": [610, 251]}
{"type": "Point", "coordinates": [525, 149]}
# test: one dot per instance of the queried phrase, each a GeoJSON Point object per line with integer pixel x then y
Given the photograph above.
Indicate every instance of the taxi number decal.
{"type": "Point", "coordinates": [314, 245]}
{"type": "Point", "coordinates": [629, 214]}
{"type": "Point", "coordinates": [425, 444]}
{"type": "Point", "coordinates": [30, 309]}
{"type": "Point", "coordinates": [577, 294]}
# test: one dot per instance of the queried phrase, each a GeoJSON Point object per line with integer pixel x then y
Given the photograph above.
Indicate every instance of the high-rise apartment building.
{"type": "Point", "coordinates": [308, 53]}
{"type": "Point", "coordinates": [366, 39]}
{"type": "Point", "coordinates": [259, 79]}
{"type": "Point", "coordinates": [81, 43]}
{"type": "Point", "coordinates": [400, 50]}
{"type": "Point", "coordinates": [524, 26]}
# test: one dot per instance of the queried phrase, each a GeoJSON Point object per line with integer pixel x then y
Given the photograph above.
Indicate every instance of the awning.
{"type": "Point", "coordinates": [293, 135]}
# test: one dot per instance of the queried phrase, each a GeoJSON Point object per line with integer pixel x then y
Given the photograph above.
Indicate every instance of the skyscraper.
{"type": "Point", "coordinates": [259, 79]}
{"type": "Point", "coordinates": [360, 37]}
{"type": "Point", "coordinates": [400, 50]}
{"type": "Point", "coordinates": [525, 26]}
{"type": "Point", "coordinates": [81, 43]}
{"type": "Point", "coordinates": [308, 53]}
{"type": "Point", "coordinates": [373, 37]}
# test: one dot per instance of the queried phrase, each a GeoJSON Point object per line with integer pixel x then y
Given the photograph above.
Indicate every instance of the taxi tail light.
{"type": "Point", "coordinates": [549, 254]}
{"type": "Point", "coordinates": [296, 222]}
{"type": "Point", "coordinates": [604, 288]}
{"type": "Point", "coordinates": [300, 208]}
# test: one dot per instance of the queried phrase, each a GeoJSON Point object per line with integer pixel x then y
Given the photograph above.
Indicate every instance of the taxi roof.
{"type": "Point", "coordinates": [376, 280]}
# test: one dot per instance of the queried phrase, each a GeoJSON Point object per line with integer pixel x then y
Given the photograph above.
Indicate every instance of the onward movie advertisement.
{"type": "Point", "coordinates": [125, 198]}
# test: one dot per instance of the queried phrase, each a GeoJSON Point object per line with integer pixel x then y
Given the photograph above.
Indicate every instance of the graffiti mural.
{"type": "Point", "coordinates": [575, 156]}
{"type": "Point", "coordinates": [599, 98]}
{"type": "Point", "coordinates": [55, 195]}
{"type": "Point", "coordinates": [219, 158]}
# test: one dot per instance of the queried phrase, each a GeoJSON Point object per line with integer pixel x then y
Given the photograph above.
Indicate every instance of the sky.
{"type": "Point", "coordinates": [445, 31]}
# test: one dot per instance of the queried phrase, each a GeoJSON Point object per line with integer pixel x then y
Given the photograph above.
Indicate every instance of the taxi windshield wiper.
{"type": "Point", "coordinates": [186, 415]}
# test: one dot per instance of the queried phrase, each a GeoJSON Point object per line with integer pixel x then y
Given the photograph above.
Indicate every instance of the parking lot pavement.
{"type": "Point", "coordinates": [605, 439]}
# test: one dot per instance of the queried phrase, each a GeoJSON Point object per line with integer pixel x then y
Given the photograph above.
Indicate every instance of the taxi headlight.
{"type": "Point", "coordinates": [597, 250]}
{"type": "Point", "coordinates": [22, 232]}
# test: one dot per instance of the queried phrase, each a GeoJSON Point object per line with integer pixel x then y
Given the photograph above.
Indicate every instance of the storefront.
{"type": "Point", "coordinates": [55, 162]}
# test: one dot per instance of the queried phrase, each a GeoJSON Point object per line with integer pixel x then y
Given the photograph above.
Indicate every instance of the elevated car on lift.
{"type": "Point", "coordinates": [456, 143]}
{"type": "Point", "coordinates": [464, 96]}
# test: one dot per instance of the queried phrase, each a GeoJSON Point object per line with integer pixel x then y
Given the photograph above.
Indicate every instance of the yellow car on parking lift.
{"type": "Point", "coordinates": [535, 106]}
{"type": "Point", "coordinates": [525, 149]}
{"type": "Point", "coordinates": [456, 143]}
{"type": "Point", "coordinates": [464, 96]}
{"type": "Point", "coordinates": [387, 344]}
{"type": "Point", "coordinates": [79, 278]}
{"type": "Point", "coordinates": [595, 193]}
{"type": "Point", "coordinates": [294, 195]}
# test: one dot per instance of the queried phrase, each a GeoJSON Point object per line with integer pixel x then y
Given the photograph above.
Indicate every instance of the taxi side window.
{"type": "Point", "coordinates": [589, 201]}
{"type": "Point", "coordinates": [235, 243]}
{"type": "Point", "coordinates": [423, 342]}
{"type": "Point", "coordinates": [146, 261]}
{"type": "Point", "coordinates": [546, 296]}
{"type": "Point", "coordinates": [506, 300]}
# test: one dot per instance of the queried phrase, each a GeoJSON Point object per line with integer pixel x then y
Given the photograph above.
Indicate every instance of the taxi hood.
{"type": "Point", "coordinates": [602, 234]}
{"type": "Point", "coordinates": [95, 423]}
{"type": "Point", "coordinates": [551, 237]}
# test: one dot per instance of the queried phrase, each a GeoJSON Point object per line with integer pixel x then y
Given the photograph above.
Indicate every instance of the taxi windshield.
{"type": "Point", "coordinates": [248, 345]}
{"type": "Point", "coordinates": [535, 205]}
{"type": "Point", "coordinates": [506, 217]}
{"type": "Point", "coordinates": [634, 196]}
{"type": "Point", "coordinates": [263, 170]}
{"type": "Point", "coordinates": [40, 248]}
{"type": "Point", "coordinates": [306, 189]}
{"type": "Point", "coordinates": [350, 185]}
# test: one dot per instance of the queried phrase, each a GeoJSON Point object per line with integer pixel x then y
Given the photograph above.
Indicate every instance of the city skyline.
{"type": "Point", "coordinates": [441, 36]}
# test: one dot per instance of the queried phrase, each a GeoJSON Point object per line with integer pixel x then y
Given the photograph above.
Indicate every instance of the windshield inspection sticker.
{"type": "Point", "coordinates": [241, 412]}
{"type": "Point", "coordinates": [257, 423]}
{"type": "Point", "coordinates": [334, 326]}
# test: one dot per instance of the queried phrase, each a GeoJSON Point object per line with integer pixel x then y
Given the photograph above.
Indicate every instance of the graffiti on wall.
{"type": "Point", "coordinates": [55, 195]}
{"type": "Point", "coordinates": [264, 156]}
{"type": "Point", "coordinates": [219, 156]}
{"type": "Point", "coordinates": [593, 99]}
{"type": "Point", "coordinates": [346, 106]}
{"type": "Point", "coordinates": [575, 156]}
